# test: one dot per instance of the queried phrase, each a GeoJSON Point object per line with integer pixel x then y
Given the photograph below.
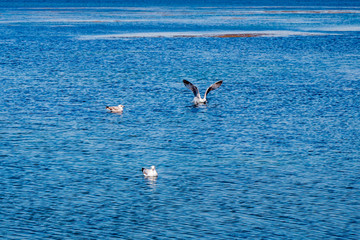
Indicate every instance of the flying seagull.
{"type": "Point", "coordinates": [197, 99]}
{"type": "Point", "coordinates": [116, 109]}
{"type": "Point", "coordinates": [149, 172]}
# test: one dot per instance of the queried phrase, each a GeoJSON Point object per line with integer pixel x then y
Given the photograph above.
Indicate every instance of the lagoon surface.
{"type": "Point", "coordinates": [275, 154]}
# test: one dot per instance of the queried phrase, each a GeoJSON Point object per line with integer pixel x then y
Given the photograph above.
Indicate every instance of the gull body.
{"type": "Point", "coordinates": [197, 99]}
{"type": "Point", "coordinates": [149, 172]}
{"type": "Point", "coordinates": [116, 109]}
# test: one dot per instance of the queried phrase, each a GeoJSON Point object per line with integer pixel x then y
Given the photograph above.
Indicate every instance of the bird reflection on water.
{"type": "Point", "coordinates": [151, 182]}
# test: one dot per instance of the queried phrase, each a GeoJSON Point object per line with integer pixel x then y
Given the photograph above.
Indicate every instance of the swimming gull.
{"type": "Point", "coordinates": [149, 172]}
{"type": "Point", "coordinates": [116, 109]}
{"type": "Point", "coordinates": [197, 99]}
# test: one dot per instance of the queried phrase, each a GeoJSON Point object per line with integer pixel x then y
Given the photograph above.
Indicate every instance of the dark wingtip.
{"type": "Point", "coordinates": [219, 82]}
{"type": "Point", "coordinates": [142, 169]}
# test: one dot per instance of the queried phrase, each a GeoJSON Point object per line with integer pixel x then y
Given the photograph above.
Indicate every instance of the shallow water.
{"type": "Point", "coordinates": [275, 154]}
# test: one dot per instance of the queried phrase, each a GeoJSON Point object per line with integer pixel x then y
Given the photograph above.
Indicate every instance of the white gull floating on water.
{"type": "Point", "coordinates": [149, 172]}
{"type": "Point", "coordinates": [197, 99]}
{"type": "Point", "coordinates": [116, 109]}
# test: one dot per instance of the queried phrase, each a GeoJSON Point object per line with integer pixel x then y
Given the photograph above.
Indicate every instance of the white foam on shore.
{"type": "Point", "coordinates": [344, 28]}
{"type": "Point", "coordinates": [223, 34]}
{"type": "Point", "coordinates": [64, 20]}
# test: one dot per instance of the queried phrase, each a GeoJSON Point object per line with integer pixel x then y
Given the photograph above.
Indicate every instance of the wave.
{"type": "Point", "coordinates": [224, 34]}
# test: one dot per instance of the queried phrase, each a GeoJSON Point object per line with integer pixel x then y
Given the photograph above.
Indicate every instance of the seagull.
{"type": "Point", "coordinates": [197, 99]}
{"type": "Point", "coordinates": [116, 109]}
{"type": "Point", "coordinates": [149, 172]}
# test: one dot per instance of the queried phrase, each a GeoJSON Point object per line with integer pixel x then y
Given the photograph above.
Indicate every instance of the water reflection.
{"type": "Point", "coordinates": [275, 152]}
{"type": "Point", "coordinates": [151, 182]}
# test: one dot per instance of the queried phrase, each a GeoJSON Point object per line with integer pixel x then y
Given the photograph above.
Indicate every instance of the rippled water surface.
{"type": "Point", "coordinates": [274, 155]}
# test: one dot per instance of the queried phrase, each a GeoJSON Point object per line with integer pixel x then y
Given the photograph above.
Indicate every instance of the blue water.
{"type": "Point", "coordinates": [274, 155]}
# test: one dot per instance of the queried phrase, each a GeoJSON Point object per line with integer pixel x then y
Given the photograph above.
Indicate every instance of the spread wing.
{"type": "Point", "coordinates": [213, 87]}
{"type": "Point", "coordinates": [192, 87]}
